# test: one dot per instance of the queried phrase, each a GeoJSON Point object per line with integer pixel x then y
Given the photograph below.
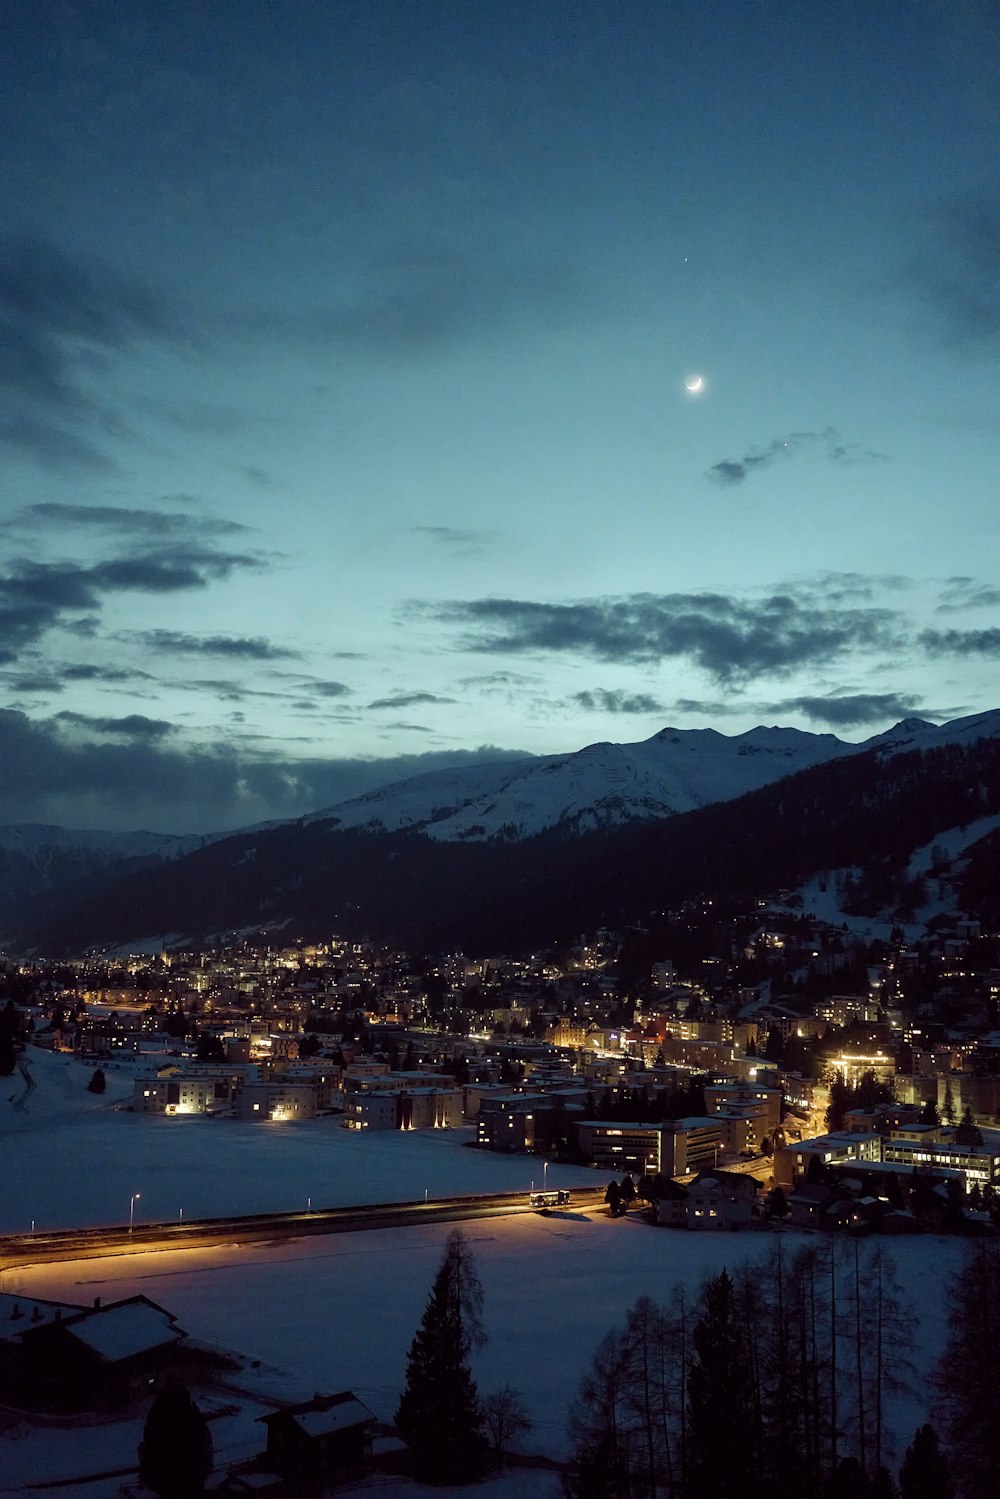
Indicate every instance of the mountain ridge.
{"type": "Point", "coordinates": [607, 783]}
{"type": "Point", "coordinates": [306, 880]}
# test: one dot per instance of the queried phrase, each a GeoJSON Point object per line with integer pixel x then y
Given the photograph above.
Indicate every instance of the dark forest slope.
{"type": "Point", "coordinates": [406, 889]}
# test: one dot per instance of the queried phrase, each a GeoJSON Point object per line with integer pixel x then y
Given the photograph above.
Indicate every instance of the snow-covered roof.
{"type": "Point", "coordinates": [20, 1312]}
{"type": "Point", "coordinates": [321, 1417]}
{"type": "Point", "coordinates": [337, 1418]}
{"type": "Point", "coordinates": [121, 1331]}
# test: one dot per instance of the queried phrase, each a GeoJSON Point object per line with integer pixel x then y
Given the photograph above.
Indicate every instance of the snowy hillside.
{"type": "Point", "coordinates": [34, 839]}
{"type": "Point", "coordinates": [677, 770]}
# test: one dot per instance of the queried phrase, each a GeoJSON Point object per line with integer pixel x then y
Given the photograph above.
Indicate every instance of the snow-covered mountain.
{"type": "Point", "coordinates": [677, 770]}
{"type": "Point", "coordinates": [35, 839]}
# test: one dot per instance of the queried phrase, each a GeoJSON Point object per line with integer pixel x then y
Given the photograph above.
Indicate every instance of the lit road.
{"type": "Point", "coordinates": [20, 1250]}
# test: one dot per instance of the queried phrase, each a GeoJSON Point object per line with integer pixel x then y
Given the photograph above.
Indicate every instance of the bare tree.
{"type": "Point", "coordinates": [506, 1419]}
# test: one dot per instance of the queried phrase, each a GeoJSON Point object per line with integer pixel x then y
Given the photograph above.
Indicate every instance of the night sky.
{"type": "Point", "coordinates": [344, 351]}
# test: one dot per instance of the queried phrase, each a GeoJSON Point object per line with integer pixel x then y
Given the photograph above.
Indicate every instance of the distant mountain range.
{"type": "Point", "coordinates": [503, 854]}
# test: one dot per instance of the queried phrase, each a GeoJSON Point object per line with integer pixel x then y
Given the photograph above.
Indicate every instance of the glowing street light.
{"type": "Point", "coordinates": [131, 1209]}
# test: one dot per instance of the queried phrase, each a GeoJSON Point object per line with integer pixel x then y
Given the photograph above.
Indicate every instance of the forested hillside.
{"type": "Point", "coordinates": [404, 888]}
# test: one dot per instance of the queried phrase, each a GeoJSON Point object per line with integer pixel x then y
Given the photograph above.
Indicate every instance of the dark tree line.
{"type": "Point", "coordinates": [765, 1385]}
{"type": "Point", "coordinates": [514, 896]}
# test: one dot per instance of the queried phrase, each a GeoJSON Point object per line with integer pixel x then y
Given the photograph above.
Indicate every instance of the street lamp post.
{"type": "Point", "coordinates": [131, 1209]}
{"type": "Point", "coordinates": [545, 1175]}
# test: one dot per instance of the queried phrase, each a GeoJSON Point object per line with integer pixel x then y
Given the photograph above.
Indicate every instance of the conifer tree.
{"type": "Point", "coordinates": [925, 1473]}
{"type": "Point", "coordinates": [439, 1415]}
{"type": "Point", "coordinates": [175, 1453]}
{"type": "Point", "coordinates": [8, 1037]}
{"type": "Point", "coordinates": [968, 1378]}
{"type": "Point", "coordinates": [723, 1450]}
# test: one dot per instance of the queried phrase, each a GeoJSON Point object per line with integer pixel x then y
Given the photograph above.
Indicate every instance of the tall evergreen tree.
{"type": "Point", "coordinates": [175, 1453]}
{"type": "Point", "coordinates": [723, 1455]}
{"type": "Point", "coordinates": [925, 1472]}
{"type": "Point", "coordinates": [9, 1026]}
{"type": "Point", "coordinates": [968, 1378]}
{"type": "Point", "coordinates": [439, 1416]}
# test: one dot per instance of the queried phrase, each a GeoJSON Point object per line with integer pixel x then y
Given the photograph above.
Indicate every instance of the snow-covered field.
{"type": "Point", "coordinates": [339, 1312]}
{"type": "Point", "coordinates": [73, 1159]}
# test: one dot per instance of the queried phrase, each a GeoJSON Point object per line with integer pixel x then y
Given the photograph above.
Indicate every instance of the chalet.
{"type": "Point", "coordinates": [100, 1358]}
{"type": "Point", "coordinates": [324, 1441]}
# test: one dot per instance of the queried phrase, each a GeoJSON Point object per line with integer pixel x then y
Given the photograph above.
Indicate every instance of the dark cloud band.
{"type": "Point", "coordinates": [731, 639]}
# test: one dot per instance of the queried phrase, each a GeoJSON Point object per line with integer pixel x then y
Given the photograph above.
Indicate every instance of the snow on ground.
{"type": "Point", "coordinates": [340, 1312]}
{"type": "Point", "coordinates": [952, 843]}
{"type": "Point", "coordinates": [71, 1159]}
{"type": "Point", "coordinates": [324, 1314]}
{"type": "Point", "coordinates": [819, 894]}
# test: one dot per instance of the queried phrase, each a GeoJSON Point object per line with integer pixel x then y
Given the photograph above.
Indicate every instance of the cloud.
{"type": "Point", "coordinates": [240, 647]}
{"type": "Point", "coordinates": [258, 476]}
{"type": "Point", "coordinates": [63, 320]}
{"type": "Point", "coordinates": [714, 708]}
{"type": "Point", "coordinates": [53, 774]}
{"type": "Point", "coordinates": [727, 471]}
{"type": "Point", "coordinates": [132, 726]}
{"type": "Point", "coordinates": [731, 471]}
{"type": "Point", "coordinates": [408, 700]}
{"type": "Point", "coordinates": [957, 271]}
{"type": "Point", "coordinates": [841, 587]}
{"type": "Point", "coordinates": [330, 689]}
{"type": "Point", "coordinates": [494, 683]}
{"type": "Point", "coordinates": [36, 596]}
{"type": "Point", "coordinates": [967, 593]}
{"type": "Point", "coordinates": [961, 642]}
{"type": "Point", "coordinates": [89, 673]}
{"type": "Point", "coordinates": [37, 684]}
{"type": "Point", "coordinates": [123, 520]}
{"type": "Point", "coordinates": [839, 710]}
{"type": "Point", "coordinates": [453, 538]}
{"type": "Point", "coordinates": [850, 709]}
{"type": "Point", "coordinates": [732, 640]}
{"type": "Point", "coordinates": [603, 700]}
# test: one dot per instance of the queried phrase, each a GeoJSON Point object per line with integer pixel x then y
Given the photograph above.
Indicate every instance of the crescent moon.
{"type": "Point", "coordinates": [694, 385]}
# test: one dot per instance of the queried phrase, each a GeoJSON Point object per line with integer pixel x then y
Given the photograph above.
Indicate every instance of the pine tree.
{"type": "Point", "coordinates": [9, 1026]}
{"type": "Point", "coordinates": [98, 1082]}
{"type": "Point", "coordinates": [439, 1415]}
{"type": "Point", "coordinates": [948, 1107]}
{"type": "Point", "coordinates": [723, 1448]}
{"type": "Point", "coordinates": [925, 1473]}
{"type": "Point", "coordinates": [175, 1454]}
{"type": "Point", "coordinates": [968, 1378]}
{"type": "Point", "coordinates": [968, 1133]}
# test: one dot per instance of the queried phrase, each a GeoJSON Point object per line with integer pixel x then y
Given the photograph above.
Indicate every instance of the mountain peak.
{"type": "Point", "coordinates": [903, 730]}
